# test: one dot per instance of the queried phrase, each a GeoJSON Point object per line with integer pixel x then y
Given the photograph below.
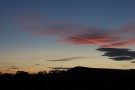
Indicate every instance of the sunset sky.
{"type": "Point", "coordinates": [38, 35]}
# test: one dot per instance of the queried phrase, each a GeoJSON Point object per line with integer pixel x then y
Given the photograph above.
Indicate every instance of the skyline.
{"type": "Point", "coordinates": [38, 34]}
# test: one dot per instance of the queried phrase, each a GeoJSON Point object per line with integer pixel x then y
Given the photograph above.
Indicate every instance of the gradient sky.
{"type": "Point", "coordinates": [22, 50]}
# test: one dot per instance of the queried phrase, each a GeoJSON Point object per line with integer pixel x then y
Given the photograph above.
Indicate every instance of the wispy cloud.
{"type": "Point", "coordinates": [121, 37]}
{"type": "Point", "coordinates": [118, 54]}
{"type": "Point", "coordinates": [120, 44]}
{"type": "Point", "coordinates": [82, 34]}
{"type": "Point", "coordinates": [37, 64]}
{"type": "Point", "coordinates": [13, 67]}
{"type": "Point", "coordinates": [7, 70]}
{"type": "Point", "coordinates": [91, 39]}
{"type": "Point", "coordinates": [66, 59]}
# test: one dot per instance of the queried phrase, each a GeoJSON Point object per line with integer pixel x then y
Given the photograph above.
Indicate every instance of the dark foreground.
{"type": "Point", "coordinates": [78, 78]}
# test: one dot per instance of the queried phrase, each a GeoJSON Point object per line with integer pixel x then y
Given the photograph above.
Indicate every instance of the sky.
{"type": "Point", "coordinates": [37, 35]}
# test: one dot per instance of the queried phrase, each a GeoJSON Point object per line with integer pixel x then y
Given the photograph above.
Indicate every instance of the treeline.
{"type": "Point", "coordinates": [24, 73]}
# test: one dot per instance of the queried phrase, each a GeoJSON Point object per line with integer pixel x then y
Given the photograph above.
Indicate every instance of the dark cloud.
{"type": "Point", "coordinates": [65, 59]}
{"type": "Point", "coordinates": [7, 70]}
{"type": "Point", "coordinates": [13, 67]}
{"type": "Point", "coordinates": [37, 64]}
{"type": "Point", "coordinates": [132, 61]}
{"type": "Point", "coordinates": [118, 54]}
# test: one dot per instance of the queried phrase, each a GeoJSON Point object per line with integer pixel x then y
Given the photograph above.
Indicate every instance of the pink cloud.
{"type": "Point", "coordinates": [81, 34]}
{"type": "Point", "coordinates": [87, 39]}
{"type": "Point", "coordinates": [120, 44]}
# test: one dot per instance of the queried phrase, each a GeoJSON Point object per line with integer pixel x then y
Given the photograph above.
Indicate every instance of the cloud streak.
{"type": "Point", "coordinates": [37, 64]}
{"type": "Point", "coordinates": [66, 59]}
{"type": "Point", "coordinates": [120, 44]}
{"type": "Point", "coordinates": [86, 39]}
{"type": "Point", "coordinates": [13, 67]}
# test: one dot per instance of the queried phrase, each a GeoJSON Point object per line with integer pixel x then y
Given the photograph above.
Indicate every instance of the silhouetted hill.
{"type": "Point", "coordinates": [101, 72]}
{"type": "Point", "coordinates": [81, 78]}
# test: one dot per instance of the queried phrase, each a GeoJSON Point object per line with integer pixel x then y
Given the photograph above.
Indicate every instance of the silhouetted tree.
{"type": "Point", "coordinates": [42, 72]}
{"type": "Point", "coordinates": [22, 74]}
{"type": "Point", "coordinates": [54, 71]}
{"type": "Point", "coordinates": [0, 73]}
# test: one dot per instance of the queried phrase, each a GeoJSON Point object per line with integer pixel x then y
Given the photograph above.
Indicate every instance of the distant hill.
{"type": "Point", "coordinates": [85, 73]}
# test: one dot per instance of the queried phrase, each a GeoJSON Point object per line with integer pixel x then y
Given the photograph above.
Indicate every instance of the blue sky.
{"type": "Point", "coordinates": [22, 49]}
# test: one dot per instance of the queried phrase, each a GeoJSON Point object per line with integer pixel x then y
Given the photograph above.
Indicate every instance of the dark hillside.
{"type": "Point", "coordinates": [74, 78]}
